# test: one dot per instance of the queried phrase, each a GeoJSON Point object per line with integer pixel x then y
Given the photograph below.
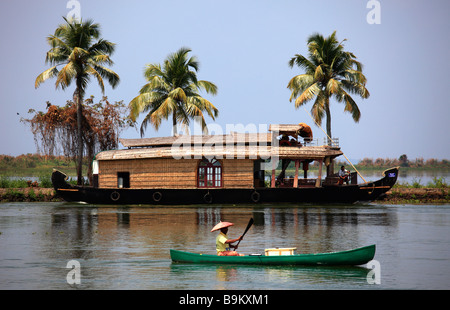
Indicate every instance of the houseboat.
{"type": "Point", "coordinates": [221, 169]}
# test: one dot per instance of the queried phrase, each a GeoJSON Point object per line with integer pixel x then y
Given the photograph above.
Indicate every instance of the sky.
{"type": "Point", "coordinates": [244, 47]}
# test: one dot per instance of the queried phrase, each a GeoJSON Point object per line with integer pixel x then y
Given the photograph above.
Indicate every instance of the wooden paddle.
{"type": "Point", "coordinates": [250, 223]}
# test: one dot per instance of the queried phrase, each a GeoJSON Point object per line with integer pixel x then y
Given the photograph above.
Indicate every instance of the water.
{"type": "Point", "coordinates": [128, 247]}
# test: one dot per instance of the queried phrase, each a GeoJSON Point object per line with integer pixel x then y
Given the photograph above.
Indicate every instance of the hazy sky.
{"type": "Point", "coordinates": [244, 47]}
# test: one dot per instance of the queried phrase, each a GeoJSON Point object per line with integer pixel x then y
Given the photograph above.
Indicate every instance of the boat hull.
{"type": "Point", "coordinates": [166, 196]}
{"type": "Point", "coordinates": [353, 257]}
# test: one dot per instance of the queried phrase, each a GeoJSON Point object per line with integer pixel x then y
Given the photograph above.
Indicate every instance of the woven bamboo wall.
{"type": "Point", "coordinates": [149, 173]}
{"type": "Point", "coordinates": [171, 173]}
{"type": "Point", "coordinates": [237, 173]}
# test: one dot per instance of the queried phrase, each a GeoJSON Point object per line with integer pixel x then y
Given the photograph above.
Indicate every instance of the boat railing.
{"type": "Point", "coordinates": [334, 142]}
{"type": "Point", "coordinates": [289, 182]}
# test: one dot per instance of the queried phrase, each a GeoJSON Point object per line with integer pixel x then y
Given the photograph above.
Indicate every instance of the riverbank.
{"type": "Point", "coordinates": [29, 194]}
{"type": "Point", "coordinates": [394, 196]}
{"type": "Point", "coordinates": [399, 195]}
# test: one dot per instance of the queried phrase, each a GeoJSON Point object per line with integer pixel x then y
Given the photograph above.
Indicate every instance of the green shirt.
{"type": "Point", "coordinates": [220, 243]}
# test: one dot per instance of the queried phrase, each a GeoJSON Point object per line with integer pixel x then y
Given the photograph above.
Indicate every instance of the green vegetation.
{"type": "Point", "coordinates": [34, 165]}
{"type": "Point", "coordinates": [73, 48]}
{"type": "Point", "coordinates": [436, 183]}
{"type": "Point", "coordinates": [403, 162]}
{"type": "Point", "coordinates": [329, 72]}
{"type": "Point", "coordinates": [27, 194]}
{"type": "Point", "coordinates": [172, 90]}
{"type": "Point", "coordinates": [44, 181]}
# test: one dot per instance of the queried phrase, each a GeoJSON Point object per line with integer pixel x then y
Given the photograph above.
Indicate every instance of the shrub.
{"type": "Point", "coordinates": [45, 181]}
{"type": "Point", "coordinates": [438, 183]}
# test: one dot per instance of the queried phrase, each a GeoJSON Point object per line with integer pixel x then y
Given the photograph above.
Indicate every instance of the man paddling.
{"type": "Point", "coordinates": [223, 244]}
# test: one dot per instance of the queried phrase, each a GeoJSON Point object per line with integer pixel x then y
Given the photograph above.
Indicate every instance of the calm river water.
{"type": "Point", "coordinates": [128, 247]}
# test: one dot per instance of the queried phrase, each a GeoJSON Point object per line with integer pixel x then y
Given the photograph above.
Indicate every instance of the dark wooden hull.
{"type": "Point", "coordinates": [326, 194]}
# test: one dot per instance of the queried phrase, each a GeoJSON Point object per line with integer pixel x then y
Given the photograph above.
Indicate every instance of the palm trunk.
{"type": "Point", "coordinates": [330, 167]}
{"type": "Point", "coordinates": [174, 124]}
{"type": "Point", "coordinates": [328, 113]}
{"type": "Point", "coordinates": [79, 100]}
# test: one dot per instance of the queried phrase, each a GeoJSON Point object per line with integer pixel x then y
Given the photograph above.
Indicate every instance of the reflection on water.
{"type": "Point", "coordinates": [277, 277]}
{"type": "Point", "coordinates": [128, 247]}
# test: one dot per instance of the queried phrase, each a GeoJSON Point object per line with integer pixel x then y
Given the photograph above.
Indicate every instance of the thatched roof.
{"type": "Point", "coordinates": [223, 152]}
{"type": "Point", "coordinates": [232, 138]}
{"type": "Point", "coordinates": [231, 146]}
{"type": "Point", "coordinates": [294, 130]}
{"type": "Point", "coordinates": [287, 128]}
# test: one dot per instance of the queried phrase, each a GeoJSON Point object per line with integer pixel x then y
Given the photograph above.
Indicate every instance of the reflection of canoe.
{"type": "Point", "coordinates": [358, 256]}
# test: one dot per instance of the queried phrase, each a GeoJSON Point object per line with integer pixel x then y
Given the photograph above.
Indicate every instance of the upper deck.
{"type": "Point", "coordinates": [230, 146]}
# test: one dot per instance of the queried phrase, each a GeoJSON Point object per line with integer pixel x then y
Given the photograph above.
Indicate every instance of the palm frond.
{"type": "Point", "coordinates": [102, 47]}
{"type": "Point", "coordinates": [302, 62]}
{"type": "Point", "coordinates": [355, 88]}
{"type": "Point", "coordinates": [66, 75]}
{"type": "Point", "coordinates": [143, 102]}
{"type": "Point", "coordinates": [172, 89]}
{"type": "Point", "coordinates": [299, 83]}
{"type": "Point", "coordinates": [72, 46]}
{"type": "Point", "coordinates": [165, 109]}
{"type": "Point", "coordinates": [178, 94]}
{"type": "Point", "coordinates": [333, 87]}
{"type": "Point", "coordinates": [209, 87]}
{"type": "Point", "coordinates": [47, 74]}
{"type": "Point", "coordinates": [203, 105]}
{"type": "Point", "coordinates": [90, 70]}
{"type": "Point", "coordinates": [112, 77]}
{"type": "Point", "coordinates": [307, 95]}
{"type": "Point", "coordinates": [352, 107]}
{"type": "Point", "coordinates": [330, 71]}
{"type": "Point", "coordinates": [319, 107]}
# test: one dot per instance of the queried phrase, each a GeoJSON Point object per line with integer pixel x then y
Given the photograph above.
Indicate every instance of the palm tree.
{"type": "Point", "coordinates": [172, 90]}
{"type": "Point", "coordinates": [73, 47]}
{"type": "Point", "coordinates": [330, 72]}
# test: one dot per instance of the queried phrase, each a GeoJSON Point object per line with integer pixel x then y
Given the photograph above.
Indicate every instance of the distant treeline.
{"type": "Point", "coordinates": [34, 164]}
{"type": "Point", "coordinates": [403, 161]}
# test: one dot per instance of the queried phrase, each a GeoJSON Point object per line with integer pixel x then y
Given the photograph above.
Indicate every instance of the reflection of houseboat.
{"type": "Point", "coordinates": [219, 169]}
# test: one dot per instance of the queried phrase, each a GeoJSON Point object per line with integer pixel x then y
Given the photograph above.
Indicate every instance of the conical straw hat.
{"type": "Point", "coordinates": [221, 225]}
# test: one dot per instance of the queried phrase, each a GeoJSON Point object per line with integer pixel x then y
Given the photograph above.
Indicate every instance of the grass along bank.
{"type": "Point", "coordinates": [405, 195]}
{"type": "Point", "coordinates": [30, 194]}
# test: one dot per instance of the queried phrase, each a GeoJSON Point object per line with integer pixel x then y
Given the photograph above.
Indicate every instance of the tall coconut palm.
{"type": "Point", "coordinates": [173, 90]}
{"type": "Point", "coordinates": [73, 47]}
{"type": "Point", "coordinates": [330, 72]}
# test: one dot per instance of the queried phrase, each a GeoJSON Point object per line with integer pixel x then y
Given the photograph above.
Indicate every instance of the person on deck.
{"type": "Point", "coordinates": [343, 175]}
{"type": "Point", "coordinates": [223, 244]}
{"type": "Point", "coordinates": [305, 132]}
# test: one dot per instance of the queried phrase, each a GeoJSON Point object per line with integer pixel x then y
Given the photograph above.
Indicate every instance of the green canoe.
{"type": "Point", "coordinates": [353, 257]}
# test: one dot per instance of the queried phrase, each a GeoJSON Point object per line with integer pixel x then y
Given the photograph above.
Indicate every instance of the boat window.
{"type": "Point", "coordinates": [210, 173]}
{"type": "Point", "coordinates": [123, 179]}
